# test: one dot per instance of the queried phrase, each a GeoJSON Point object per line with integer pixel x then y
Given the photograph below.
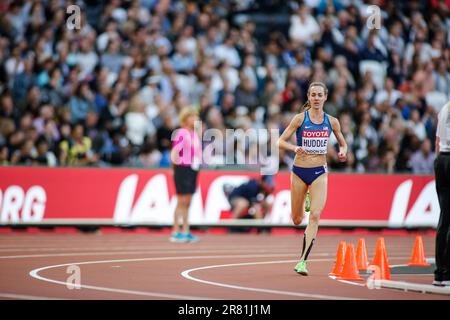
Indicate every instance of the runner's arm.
{"type": "Point", "coordinates": [336, 126]}
{"type": "Point", "coordinates": [288, 132]}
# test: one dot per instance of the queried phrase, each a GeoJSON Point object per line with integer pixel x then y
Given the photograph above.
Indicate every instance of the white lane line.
{"type": "Point", "coordinates": [186, 274]}
{"type": "Point", "coordinates": [141, 247]}
{"type": "Point", "coordinates": [348, 282]}
{"type": "Point", "coordinates": [124, 291]}
{"type": "Point", "coordinates": [26, 297]}
{"type": "Point", "coordinates": [124, 252]}
{"type": "Point", "coordinates": [87, 249]}
{"type": "Point", "coordinates": [35, 273]}
{"type": "Point", "coordinates": [102, 253]}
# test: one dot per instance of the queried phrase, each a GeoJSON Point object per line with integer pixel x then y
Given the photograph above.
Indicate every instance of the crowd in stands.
{"type": "Point", "coordinates": [107, 92]}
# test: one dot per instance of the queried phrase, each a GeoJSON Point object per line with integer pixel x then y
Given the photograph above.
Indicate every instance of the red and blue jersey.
{"type": "Point", "coordinates": [314, 137]}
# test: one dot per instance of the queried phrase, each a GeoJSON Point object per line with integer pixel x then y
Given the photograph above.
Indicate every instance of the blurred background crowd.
{"type": "Point", "coordinates": [108, 93]}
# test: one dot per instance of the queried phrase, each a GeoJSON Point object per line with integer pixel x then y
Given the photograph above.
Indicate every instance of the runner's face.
{"type": "Point", "coordinates": [317, 97]}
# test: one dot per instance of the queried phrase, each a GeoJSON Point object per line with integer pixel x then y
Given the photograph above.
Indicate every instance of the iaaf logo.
{"type": "Point", "coordinates": [153, 204]}
{"type": "Point", "coordinates": [315, 133]}
{"type": "Point", "coordinates": [16, 205]}
{"type": "Point", "coordinates": [424, 212]}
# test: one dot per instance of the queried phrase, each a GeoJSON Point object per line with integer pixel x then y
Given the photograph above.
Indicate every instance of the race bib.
{"type": "Point", "coordinates": [315, 141]}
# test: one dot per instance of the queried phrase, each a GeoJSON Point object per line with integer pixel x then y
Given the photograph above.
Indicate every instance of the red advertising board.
{"type": "Point", "coordinates": [136, 196]}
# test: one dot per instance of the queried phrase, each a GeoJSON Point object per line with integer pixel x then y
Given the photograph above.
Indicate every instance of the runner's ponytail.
{"type": "Point", "coordinates": [306, 106]}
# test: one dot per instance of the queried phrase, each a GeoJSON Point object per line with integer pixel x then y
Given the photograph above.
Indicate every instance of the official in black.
{"type": "Point", "coordinates": [442, 173]}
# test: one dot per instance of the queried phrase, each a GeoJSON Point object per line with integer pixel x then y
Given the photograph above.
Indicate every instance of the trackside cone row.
{"type": "Point", "coordinates": [340, 257]}
{"type": "Point", "coordinates": [381, 260]}
{"type": "Point", "coordinates": [418, 255]}
{"type": "Point", "coordinates": [350, 270]}
{"type": "Point", "coordinates": [361, 255]}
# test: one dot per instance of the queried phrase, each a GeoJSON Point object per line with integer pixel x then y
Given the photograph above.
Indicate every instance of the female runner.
{"type": "Point", "coordinates": [313, 128]}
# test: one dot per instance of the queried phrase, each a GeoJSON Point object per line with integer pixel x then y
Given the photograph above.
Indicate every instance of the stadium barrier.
{"type": "Point", "coordinates": [39, 196]}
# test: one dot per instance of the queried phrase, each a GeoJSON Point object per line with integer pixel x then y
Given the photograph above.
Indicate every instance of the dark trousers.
{"type": "Point", "coordinates": [442, 173]}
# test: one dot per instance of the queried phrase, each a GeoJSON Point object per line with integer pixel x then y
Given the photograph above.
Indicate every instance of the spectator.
{"type": "Point", "coordinates": [52, 93]}
{"type": "Point", "coordinates": [387, 163]}
{"type": "Point", "coordinates": [389, 93]}
{"type": "Point", "coordinates": [112, 59]}
{"type": "Point", "coordinates": [77, 149]}
{"type": "Point", "coordinates": [227, 52]}
{"type": "Point", "coordinates": [304, 28]}
{"type": "Point", "coordinates": [148, 156]}
{"type": "Point", "coordinates": [245, 94]}
{"type": "Point", "coordinates": [23, 81]}
{"type": "Point", "coordinates": [4, 155]}
{"type": "Point", "coordinates": [419, 48]}
{"type": "Point", "coordinates": [350, 50]}
{"type": "Point", "coordinates": [7, 109]}
{"type": "Point", "coordinates": [370, 51]}
{"type": "Point", "coordinates": [416, 125]}
{"type": "Point", "coordinates": [43, 155]}
{"type": "Point", "coordinates": [396, 43]}
{"type": "Point", "coordinates": [86, 58]}
{"type": "Point", "coordinates": [395, 69]}
{"type": "Point", "coordinates": [51, 134]}
{"type": "Point", "coordinates": [422, 161]}
{"type": "Point", "coordinates": [105, 39]}
{"type": "Point", "coordinates": [441, 78]}
{"type": "Point", "coordinates": [183, 60]}
{"type": "Point", "coordinates": [340, 70]}
{"type": "Point", "coordinates": [169, 54]}
{"type": "Point", "coordinates": [46, 113]}
{"type": "Point", "coordinates": [137, 123]}
{"type": "Point", "coordinates": [15, 64]}
{"type": "Point", "coordinates": [24, 155]}
{"type": "Point", "coordinates": [82, 102]}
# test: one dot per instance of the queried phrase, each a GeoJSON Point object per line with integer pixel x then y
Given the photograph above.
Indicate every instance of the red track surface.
{"type": "Point", "coordinates": [148, 266]}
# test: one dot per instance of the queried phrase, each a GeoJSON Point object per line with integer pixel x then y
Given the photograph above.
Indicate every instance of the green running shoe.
{"type": "Point", "coordinates": [300, 268]}
{"type": "Point", "coordinates": [307, 203]}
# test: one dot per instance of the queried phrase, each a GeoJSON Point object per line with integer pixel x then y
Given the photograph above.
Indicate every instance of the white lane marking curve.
{"type": "Point", "coordinates": [186, 274]}
{"type": "Point", "coordinates": [35, 274]}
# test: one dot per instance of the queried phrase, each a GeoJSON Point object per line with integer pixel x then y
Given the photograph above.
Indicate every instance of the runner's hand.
{"type": "Point", "coordinates": [299, 150]}
{"type": "Point", "coordinates": [342, 157]}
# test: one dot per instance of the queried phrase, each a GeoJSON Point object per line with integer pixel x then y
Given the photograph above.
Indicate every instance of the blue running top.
{"type": "Point", "coordinates": [312, 136]}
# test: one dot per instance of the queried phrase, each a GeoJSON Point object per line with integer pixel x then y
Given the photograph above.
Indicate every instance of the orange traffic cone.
{"type": "Point", "coordinates": [350, 270]}
{"type": "Point", "coordinates": [361, 255]}
{"type": "Point", "coordinates": [340, 257]}
{"type": "Point", "coordinates": [381, 260]}
{"type": "Point", "coordinates": [418, 254]}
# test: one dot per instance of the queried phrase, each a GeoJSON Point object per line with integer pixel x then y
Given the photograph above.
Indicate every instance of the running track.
{"type": "Point", "coordinates": [127, 265]}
